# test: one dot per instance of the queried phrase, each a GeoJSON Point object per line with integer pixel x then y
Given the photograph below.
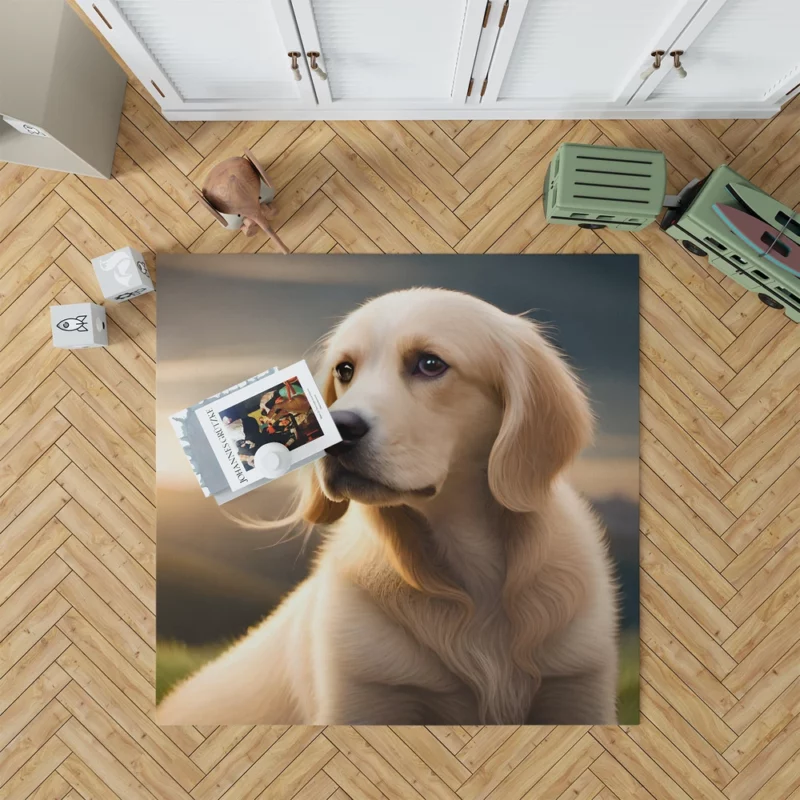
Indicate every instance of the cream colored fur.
{"type": "Point", "coordinates": [491, 601]}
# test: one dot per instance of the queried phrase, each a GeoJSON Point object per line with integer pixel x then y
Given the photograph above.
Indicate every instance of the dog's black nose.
{"type": "Point", "coordinates": [352, 426]}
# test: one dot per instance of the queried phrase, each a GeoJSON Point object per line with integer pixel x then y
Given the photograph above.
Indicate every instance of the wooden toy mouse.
{"type": "Point", "coordinates": [235, 188]}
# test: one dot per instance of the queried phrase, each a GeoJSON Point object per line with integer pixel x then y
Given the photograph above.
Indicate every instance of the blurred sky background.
{"type": "Point", "coordinates": [224, 318]}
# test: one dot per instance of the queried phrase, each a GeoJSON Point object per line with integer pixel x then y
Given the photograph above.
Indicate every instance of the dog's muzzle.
{"type": "Point", "coordinates": [352, 427]}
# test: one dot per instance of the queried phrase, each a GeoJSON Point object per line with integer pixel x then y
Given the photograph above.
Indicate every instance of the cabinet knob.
{"type": "Point", "coordinates": [294, 65]}
{"type": "Point", "coordinates": [657, 56]}
{"type": "Point", "coordinates": [312, 57]}
{"type": "Point", "coordinates": [676, 60]}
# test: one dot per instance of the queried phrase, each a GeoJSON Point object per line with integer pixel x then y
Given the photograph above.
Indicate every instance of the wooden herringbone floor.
{"type": "Point", "coordinates": [720, 546]}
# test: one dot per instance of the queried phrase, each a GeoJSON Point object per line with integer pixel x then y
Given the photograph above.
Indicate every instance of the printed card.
{"type": "Point", "coordinates": [285, 406]}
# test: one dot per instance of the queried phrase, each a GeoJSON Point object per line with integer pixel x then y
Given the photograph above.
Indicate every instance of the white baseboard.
{"type": "Point", "coordinates": [705, 111]}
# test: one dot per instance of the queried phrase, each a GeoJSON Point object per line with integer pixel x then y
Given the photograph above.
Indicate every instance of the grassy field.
{"type": "Point", "coordinates": [176, 661]}
{"type": "Point", "coordinates": [628, 682]}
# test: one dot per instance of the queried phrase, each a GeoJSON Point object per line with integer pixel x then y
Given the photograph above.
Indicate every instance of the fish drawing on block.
{"type": "Point", "coordinates": [767, 241]}
{"type": "Point", "coordinates": [120, 264]}
{"type": "Point", "coordinates": [77, 324]}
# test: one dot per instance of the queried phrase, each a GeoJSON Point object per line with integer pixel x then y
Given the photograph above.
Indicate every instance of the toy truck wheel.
{"type": "Point", "coordinates": [769, 301]}
{"type": "Point", "coordinates": [592, 226]}
{"type": "Point", "coordinates": [693, 248]}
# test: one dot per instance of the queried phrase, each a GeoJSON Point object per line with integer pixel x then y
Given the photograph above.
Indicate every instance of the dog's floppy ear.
{"type": "Point", "coordinates": [546, 418]}
{"type": "Point", "coordinates": [315, 507]}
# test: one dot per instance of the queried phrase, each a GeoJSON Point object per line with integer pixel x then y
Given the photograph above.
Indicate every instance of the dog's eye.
{"type": "Point", "coordinates": [429, 365]}
{"type": "Point", "coordinates": [344, 371]}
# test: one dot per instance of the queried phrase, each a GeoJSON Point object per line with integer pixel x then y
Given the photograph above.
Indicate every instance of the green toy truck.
{"type": "Point", "coordinates": [696, 225]}
{"type": "Point", "coordinates": [612, 187]}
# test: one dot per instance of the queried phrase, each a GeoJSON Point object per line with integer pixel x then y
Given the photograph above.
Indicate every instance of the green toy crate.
{"type": "Point", "coordinates": [598, 187]}
{"type": "Point", "coordinates": [701, 231]}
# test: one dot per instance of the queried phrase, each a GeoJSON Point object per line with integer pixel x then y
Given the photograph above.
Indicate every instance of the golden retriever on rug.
{"type": "Point", "coordinates": [462, 580]}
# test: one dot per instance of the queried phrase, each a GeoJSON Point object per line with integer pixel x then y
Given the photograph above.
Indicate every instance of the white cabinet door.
{"type": "Point", "coordinates": [734, 51]}
{"type": "Point", "coordinates": [434, 59]}
{"type": "Point", "coordinates": [390, 54]}
{"type": "Point", "coordinates": [578, 54]}
{"type": "Point", "coordinates": [194, 55]}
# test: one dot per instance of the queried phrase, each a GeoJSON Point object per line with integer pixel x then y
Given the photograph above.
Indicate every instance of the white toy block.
{"type": "Point", "coordinates": [79, 325]}
{"type": "Point", "coordinates": [122, 274]}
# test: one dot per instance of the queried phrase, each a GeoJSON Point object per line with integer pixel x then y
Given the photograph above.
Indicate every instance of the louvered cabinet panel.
{"type": "Point", "coordinates": [224, 53]}
{"type": "Point", "coordinates": [386, 51]}
{"type": "Point", "coordinates": [214, 49]}
{"type": "Point", "coordinates": [586, 50]}
{"type": "Point", "coordinates": [748, 50]}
